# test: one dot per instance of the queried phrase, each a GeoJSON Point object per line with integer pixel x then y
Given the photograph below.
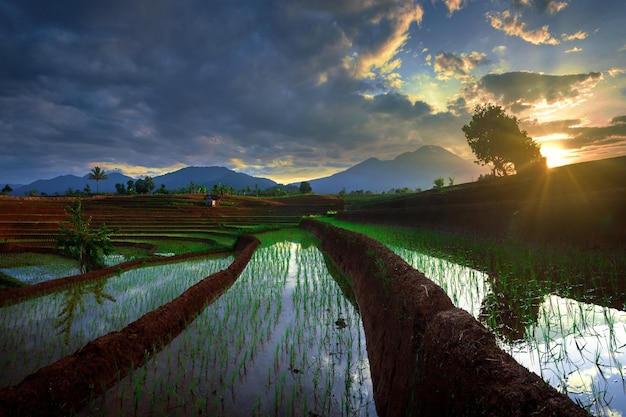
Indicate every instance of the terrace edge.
{"type": "Point", "coordinates": [70, 382]}
{"type": "Point", "coordinates": [426, 356]}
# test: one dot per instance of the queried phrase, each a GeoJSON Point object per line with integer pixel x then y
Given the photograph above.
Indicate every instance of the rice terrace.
{"type": "Point", "coordinates": [504, 297]}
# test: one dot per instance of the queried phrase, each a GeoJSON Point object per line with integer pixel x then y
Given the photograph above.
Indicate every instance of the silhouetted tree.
{"type": "Point", "coordinates": [120, 189]}
{"type": "Point", "coordinates": [144, 186]}
{"type": "Point", "coordinates": [438, 183]}
{"type": "Point", "coordinates": [305, 187]}
{"type": "Point", "coordinates": [97, 175]}
{"type": "Point", "coordinates": [7, 189]}
{"type": "Point", "coordinates": [496, 140]}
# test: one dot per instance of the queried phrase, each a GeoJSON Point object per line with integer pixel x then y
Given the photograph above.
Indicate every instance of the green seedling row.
{"type": "Point", "coordinates": [282, 341]}
{"type": "Point", "coordinates": [36, 332]}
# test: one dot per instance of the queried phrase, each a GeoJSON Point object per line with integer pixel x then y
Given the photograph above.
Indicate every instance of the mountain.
{"type": "Point", "coordinates": [209, 176]}
{"type": "Point", "coordinates": [59, 185]}
{"type": "Point", "coordinates": [411, 169]}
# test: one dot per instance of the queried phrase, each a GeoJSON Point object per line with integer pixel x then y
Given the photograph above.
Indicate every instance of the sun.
{"type": "Point", "coordinates": [555, 156]}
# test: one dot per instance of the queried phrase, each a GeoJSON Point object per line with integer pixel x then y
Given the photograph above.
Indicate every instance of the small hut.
{"type": "Point", "coordinates": [212, 200]}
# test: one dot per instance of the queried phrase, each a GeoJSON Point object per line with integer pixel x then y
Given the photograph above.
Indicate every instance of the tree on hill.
{"type": "Point", "coordinates": [7, 189]}
{"type": "Point", "coordinates": [85, 244]}
{"type": "Point", "coordinates": [496, 140]}
{"type": "Point", "coordinates": [97, 174]}
{"type": "Point", "coordinates": [305, 187]}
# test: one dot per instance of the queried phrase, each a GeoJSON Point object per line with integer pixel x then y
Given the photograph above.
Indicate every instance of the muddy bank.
{"type": "Point", "coordinates": [426, 356]}
{"type": "Point", "coordinates": [68, 383]}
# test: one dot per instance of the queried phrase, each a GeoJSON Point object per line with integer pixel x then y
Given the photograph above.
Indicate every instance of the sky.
{"type": "Point", "coordinates": [295, 90]}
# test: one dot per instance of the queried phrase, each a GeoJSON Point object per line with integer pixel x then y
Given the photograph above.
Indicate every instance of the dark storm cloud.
{"type": "Point", "coordinates": [511, 87]}
{"type": "Point", "coordinates": [398, 105]}
{"type": "Point", "coordinates": [153, 83]}
{"type": "Point", "coordinates": [596, 136]}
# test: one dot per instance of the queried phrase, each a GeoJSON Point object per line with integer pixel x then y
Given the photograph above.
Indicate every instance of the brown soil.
{"type": "Point", "coordinates": [427, 357]}
{"type": "Point", "coordinates": [67, 384]}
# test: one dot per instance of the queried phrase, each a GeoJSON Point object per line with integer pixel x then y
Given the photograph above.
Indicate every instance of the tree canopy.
{"type": "Point", "coordinates": [305, 187]}
{"type": "Point", "coordinates": [497, 141]}
{"type": "Point", "coordinates": [83, 242]}
{"type": "Point", "coordinates": [97, 174]}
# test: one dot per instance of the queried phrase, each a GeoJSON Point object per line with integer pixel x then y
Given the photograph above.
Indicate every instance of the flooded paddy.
{"type": "Point", "coordinates": [38, 331]}
{"type": "Point", "coordinates": [564, 330]}
{"type": "Point", "coordinates": [283, 340]}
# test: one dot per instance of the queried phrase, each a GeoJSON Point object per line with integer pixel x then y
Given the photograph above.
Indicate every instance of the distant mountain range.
{"type": "Point", "coordinates": [206, 176]}
{"type": "Point", "coordinates": [411, 169]}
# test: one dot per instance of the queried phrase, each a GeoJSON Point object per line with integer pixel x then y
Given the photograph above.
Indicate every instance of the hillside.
{"type": "Point", "coordinates": [574, 205]}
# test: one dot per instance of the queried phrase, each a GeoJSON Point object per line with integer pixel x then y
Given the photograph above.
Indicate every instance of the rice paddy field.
{"type": "Point", "coordinates": [558, 326]}
{"type": "Point", "coordinates": [283, 340]}
{"type": "Point", "coordinates": [287, 338]}
{"type": "Point", "coordinates": [38, 331]}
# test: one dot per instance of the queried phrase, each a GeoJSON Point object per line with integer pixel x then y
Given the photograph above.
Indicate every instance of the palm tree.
{"type": "Point", "coordinates": [97, 174]}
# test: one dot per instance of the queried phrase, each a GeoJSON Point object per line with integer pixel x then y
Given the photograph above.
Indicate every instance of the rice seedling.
{"type": "Point", "coordinates": [268, 346]}
{"type": "Point", "coordinates": [568, 329]}
{"type": "Point", "coordinates": [36, 332]}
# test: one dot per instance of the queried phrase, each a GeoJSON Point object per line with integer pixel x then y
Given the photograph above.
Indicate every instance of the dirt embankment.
{"type": "Point", "coordinates": [426, 356]}
{"type": "Point", "coordinates": [68, 383]}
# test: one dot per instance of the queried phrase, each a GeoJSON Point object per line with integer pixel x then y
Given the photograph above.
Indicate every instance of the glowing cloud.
{"type": "Point", "coordinates": [512, 26]}
{"type": "Point", "coordinates": [363, 64]}
{"type": "Point", "coordinates": [137, 171]}
{"type": "Point", "coordinates": [453, 5]}
{"type": "Point", "coordinates": [450, 65]}
{"type": "Point", "coordinates": [580, 35]}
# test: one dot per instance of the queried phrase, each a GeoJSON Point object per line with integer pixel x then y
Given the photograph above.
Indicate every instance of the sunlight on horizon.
{"type": "Point", "coordinates": [555, 156]}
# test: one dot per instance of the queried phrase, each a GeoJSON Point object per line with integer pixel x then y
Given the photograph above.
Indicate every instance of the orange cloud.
{"type": "Point", "coordinates": [580, 35]}
{"type": "Point", "coordinates": [512, 26]}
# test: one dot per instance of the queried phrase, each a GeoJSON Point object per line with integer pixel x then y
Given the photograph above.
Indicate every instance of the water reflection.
{"type": "Point", "coordinates": [508, 311]}
{"type": "Point", "coordinates": [577, 347]}
{"type": "Point", "coordinates": [466, 287]}
{"type": "Point", "coordinates": [73, 299]}
{"type": "Point", "coordinates": [580, 349]}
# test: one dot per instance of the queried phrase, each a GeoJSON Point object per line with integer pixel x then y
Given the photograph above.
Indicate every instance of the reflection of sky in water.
{"type": "Point", "coordinates": [580, 349]}
{"type": "Point", "coordinates": [30, 336]}
{"type": "Point", "coordinates": [39, 273]}
{"type": "Point", "coordinates": [270, 344]}
{"type": "Point", "coordinates": [577, 348]}
{"type": "Point", "coordinates": [465, 286]}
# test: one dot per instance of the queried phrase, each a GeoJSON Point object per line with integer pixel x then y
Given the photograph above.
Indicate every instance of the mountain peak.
{"type": "Point", "coordinates": [412, 170]}
{"type": "Point", "coordinates": [423, 151]}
